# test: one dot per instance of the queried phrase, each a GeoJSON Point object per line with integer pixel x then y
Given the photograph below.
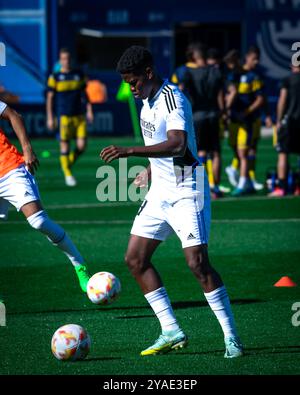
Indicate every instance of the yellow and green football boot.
{"type": "Point", "coordinates": [167, 341]}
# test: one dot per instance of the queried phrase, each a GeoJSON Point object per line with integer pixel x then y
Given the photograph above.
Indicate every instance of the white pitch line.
{"type": "Point", "coordinates": [250, 198]}
{"type": "Point", "coordinates": [126, 204]}
{"type": "Point", "coordinates": [255, 220]}
{"type": "Point", "coordinates": [127, 222]}
{"type": "Point", "coordinates": [75, 222]}
{"type": "Point", "coordinates": [79, 222]}
{"type": "Point", "coordinates": [92, 205]}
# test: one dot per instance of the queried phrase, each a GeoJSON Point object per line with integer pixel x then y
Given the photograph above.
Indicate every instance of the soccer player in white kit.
{"type": "Point", "coordinates": [18, 187]}
{"type": "Point", "coordinates": [178, 201]}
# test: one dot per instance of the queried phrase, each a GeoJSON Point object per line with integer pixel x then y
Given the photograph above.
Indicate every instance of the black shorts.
{"type": "Point", "coordinates": [207, 128]}
{"type": "Point", "coordinates": [288, 137]}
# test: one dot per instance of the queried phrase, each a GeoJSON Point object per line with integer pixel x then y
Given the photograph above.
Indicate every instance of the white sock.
{"type": "Point", "coordinates": [160, 303]}
{"type": "Point", "coordinates": [56, 235]}
{"type": "Point", "coordinates": [218, 301]}
{"type": "Point", "coordinates": [242, 182]}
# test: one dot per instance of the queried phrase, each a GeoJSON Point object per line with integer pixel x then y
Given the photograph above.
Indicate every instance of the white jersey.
{"type": "Point", "coordinates": [168, 110]}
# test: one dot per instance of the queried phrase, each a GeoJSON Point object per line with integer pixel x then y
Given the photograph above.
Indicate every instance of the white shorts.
{"type": "Point", "coordinates": [17, 187]}
{"type": "Point", "coordinates": [189, 218]}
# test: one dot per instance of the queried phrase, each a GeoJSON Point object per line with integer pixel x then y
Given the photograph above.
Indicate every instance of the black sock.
{"type": "Point", "coordinates": [282, 184]}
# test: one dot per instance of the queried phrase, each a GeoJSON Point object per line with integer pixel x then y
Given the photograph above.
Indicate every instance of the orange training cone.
{"type": "Point", "coordinates": [285, 282]}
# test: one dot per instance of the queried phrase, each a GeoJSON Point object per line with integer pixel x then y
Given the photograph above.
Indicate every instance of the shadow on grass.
{"type": "Point", "coordinates": [249, 352]}
{"type": "Point", "coordinates": [94, 359]}
{"type": "Point", "coordinates": [191, 304]}
{"type": "Point", "coordinates": [176, 306]}
{"type": "Point", "coordinates": [273, 350]}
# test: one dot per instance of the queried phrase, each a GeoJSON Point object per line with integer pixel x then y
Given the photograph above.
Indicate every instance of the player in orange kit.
{"type": "Point", "coordinates": [18, 187]}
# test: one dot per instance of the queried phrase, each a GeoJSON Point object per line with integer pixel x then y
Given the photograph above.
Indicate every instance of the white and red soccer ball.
{"type": "Point", "coordinates": [103, 288]}
{"type": "Point", "coordinates": [70, 343]}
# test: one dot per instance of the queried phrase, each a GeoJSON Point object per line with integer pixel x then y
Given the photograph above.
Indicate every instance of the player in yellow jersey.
{"type": "Point", "coordinates": [232, 77]}
{"type": "Point", "coordinates": [245, 121]}
{"type": "Point", "coordinates": [66, 89]}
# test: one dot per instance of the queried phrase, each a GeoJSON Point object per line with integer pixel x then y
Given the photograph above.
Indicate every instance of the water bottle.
{"type": "Point", "coordinates": [274, 180]}
{"type": "Point", "coordinates": [290, 181]}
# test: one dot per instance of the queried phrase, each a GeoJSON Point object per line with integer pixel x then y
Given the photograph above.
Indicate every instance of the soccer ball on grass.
{"type": "Point", "coordinates": [70, 343]}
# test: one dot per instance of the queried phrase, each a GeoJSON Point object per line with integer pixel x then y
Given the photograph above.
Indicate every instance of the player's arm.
{"type": "Point", "coordinates": [220, 99]}
{"type": "Point", "coordinates": [258, 102]}
{"type": "Point", "coordinates": [174, 146]}
{"type": "Point", "coordinates": [89, 112]}
{"type": "Point", "coordinates": [267, 111]}
{"type": "Point", "coordinates": [89, 107]}
{"type": "Point", "coordinates": [18, 126]}
{"type": "Point", "coordinates": [222, 105]}
{"type": "Point", "coordinates": [257, 86]}
{"type": "Point", "coordinates": [49, 109]}
{"type": "Point", "coordinates": [51, 84]}
{"type": "Point", "coordinates": [281, 105]}
{"type": "Point", "coordinates": [230, 95]}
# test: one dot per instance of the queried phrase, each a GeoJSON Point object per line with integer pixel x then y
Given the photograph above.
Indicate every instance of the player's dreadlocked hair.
{"type": "Point", "coordinates": [135, 60]}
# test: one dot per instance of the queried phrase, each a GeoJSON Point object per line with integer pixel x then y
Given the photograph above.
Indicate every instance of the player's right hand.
{"type": "Point", "coordinates": [31, 160]}
{"type": "Point", "coordinates": [113, 152]}
{"type": "Point", "coordinates": [50, 123]}
{"type": "Point", "coordinates": [268, 121]}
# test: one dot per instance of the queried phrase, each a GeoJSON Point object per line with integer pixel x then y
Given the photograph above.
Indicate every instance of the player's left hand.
{"type": "Point", "coordinates": [268, 121]}
{"type": "Point", "coordinates": [112, 152]}
{"type": "Point", "coordinates": [31, 160]}
{"type": "Point", "coordinates": [142, 179]}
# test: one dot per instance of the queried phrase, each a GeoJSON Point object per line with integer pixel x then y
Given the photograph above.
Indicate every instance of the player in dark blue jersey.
{"type": "Point", "coordinates": [203, 86]}
{"type": "Point", "coordinates": [231, 82]}
{"type": "Point", "coordinates": [245, 125]}
{"type": "Point", "coordinates": [179, 74]}
{"type": "Point", "coordinates": [66, 92]}
{"type": "Point", "coordinates": [214, 58]}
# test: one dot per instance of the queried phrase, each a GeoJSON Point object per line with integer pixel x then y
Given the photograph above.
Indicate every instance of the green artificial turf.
{"type": "Point", "coordinates": [254, 241]}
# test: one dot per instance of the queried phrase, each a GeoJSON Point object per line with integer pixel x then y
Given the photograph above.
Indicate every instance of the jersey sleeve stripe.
{"type": "Point", "coordinates": [172, 97]}
{"type": "Point", "coordinates": [170, 101]}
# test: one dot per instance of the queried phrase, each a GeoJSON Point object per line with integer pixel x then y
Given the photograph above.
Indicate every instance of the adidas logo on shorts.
{"type": "Point", "coordinates": [191, 236]}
